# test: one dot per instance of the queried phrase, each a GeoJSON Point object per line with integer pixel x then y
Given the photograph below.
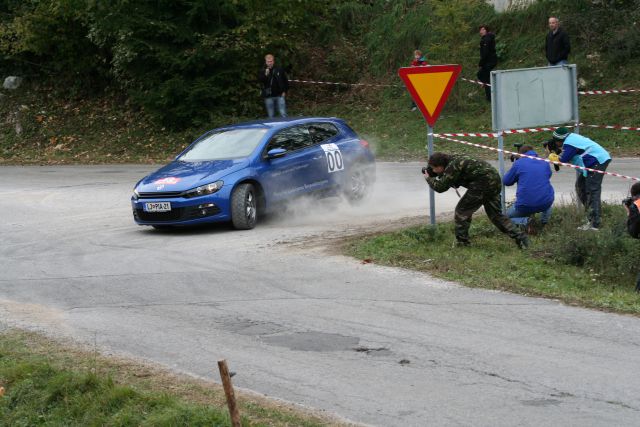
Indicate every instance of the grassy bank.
{"type": "Point", "coordinates": [591, 269]}
{"type": "Point", "coordinates": [107, 130]}
{"type": "Point", "coordinates": [51, 384]}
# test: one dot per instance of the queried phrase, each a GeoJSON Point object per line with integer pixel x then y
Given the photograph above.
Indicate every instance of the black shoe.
{"type": "Point", "coordinates": [461, 243]}
{"type": "Point", "coordinates": [523, 241]}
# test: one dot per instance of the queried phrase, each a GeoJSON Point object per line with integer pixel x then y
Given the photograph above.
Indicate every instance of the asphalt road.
{"type": "Point", "coordinates": [375, 345]}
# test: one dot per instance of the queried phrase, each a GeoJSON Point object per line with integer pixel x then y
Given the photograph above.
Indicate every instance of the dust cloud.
{"type": "Point", "coordinates": [397, 193]}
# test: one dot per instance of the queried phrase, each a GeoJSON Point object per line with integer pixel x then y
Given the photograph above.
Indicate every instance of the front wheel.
{"type": "Point", "coordinates": [244, 207]}
{"type": "Point", "coordinates": [359, 184]}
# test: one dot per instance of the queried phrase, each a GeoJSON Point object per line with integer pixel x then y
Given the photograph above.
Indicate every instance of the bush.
{"type": "Point", "coordinates": [610, 253]}
{"type": "Point", "coordinates": [184, 61]}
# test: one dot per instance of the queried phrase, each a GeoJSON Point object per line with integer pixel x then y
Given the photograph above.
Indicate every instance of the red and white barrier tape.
{"type": "Point", "coordinates": [533, 130]}
{"type": "Point", "coordinates": [507, 132]}
{"type": "Point", "coordinates": [341, 83]}
{"type": "Point", "coordinates": [604, 92]}
{"type": "Point", "coordinates": [580, 92]}
{"type": "Point", "coordinates": [611, 127]}
{"type": "Point", "coordinates": [478, 82]}
{"type": "Point", "coordinates": [537, 158]}
{"type": "Point", "coordinates": [368, 84]}
{"type": "Point", "coordinates": [482, 135]}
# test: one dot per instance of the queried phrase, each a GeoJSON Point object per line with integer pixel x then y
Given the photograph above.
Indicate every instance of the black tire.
{"type": "Point", "coordinates": [358, 184]}
{"type": "Point", "coordinates": [244, 207]}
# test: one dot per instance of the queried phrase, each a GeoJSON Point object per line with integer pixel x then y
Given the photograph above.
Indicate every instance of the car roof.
{"type": "Point", "coordinates": [278, 123]}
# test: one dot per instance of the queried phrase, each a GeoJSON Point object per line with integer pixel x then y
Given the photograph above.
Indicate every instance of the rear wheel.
{"type": "Point", "coordinates": [244, 207]}
{"type": "Point", "coordinates": [358, 185]}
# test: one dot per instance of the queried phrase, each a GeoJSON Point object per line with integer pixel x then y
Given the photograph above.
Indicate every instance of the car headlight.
{"type": "Point", "coordinates": [204, 189]}
{"type": "Point", "coordinates": [136, 195]}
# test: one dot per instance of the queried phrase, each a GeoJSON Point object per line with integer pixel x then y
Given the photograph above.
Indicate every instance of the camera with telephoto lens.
{"type": "Point", "coordinates": [552, 146]}
{"type": "Point", "coordinates": [429, 171]}
{"type": "Point", "coordinates": [513, 157]}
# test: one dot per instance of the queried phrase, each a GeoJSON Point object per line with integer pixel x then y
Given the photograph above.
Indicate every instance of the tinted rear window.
{"type": "Point", "coordinates": [320, 132]}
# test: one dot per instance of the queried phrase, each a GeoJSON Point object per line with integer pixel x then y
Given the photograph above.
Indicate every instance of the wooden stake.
{"type": "Point", "coordinates": [228, 391]}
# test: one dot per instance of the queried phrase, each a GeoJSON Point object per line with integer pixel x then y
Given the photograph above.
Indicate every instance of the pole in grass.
{"type": "Point", "coordinates": [430, 87]}
{"type": "Point", "coordinates": [432, 194]}
{"type": "Point", "coordinates": [503, 194]}
{"type": "Point", "coordinates": [228, 391]}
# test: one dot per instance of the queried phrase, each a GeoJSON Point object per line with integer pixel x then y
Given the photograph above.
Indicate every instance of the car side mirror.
{"type": "Point", "coordinates": [274, 153]}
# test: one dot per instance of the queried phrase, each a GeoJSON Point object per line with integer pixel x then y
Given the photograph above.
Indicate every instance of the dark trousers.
{"type": "Point", "coordinates": [484, 75]}
{"type": "Point", "coordinates": [589, 189]}
{"type": "Point", "coordinates": [471, 202]}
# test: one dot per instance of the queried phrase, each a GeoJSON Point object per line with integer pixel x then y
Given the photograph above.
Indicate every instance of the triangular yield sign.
{"type": "Point", "coordinates": [430, 86]}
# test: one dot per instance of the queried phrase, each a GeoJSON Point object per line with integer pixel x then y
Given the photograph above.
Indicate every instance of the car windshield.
{"type": "Point", "coordinates": [226, 144]}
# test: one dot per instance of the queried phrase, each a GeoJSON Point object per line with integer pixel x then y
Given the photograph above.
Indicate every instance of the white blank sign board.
{"type": "Point", "coordinates": [532, 97]}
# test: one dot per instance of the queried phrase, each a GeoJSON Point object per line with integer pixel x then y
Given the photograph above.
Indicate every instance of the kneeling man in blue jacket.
{"type": "Point", "coordinates": [535, 193]}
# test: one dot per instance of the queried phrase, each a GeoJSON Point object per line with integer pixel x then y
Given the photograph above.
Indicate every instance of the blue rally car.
{"type": "Point", "coordinates": [238, 172]}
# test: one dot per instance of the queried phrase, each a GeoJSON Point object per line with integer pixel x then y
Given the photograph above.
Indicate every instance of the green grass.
{"type": "Point", "coordinates": [51, 384]}
{"type": "Point", "coordinates": [584, 268]}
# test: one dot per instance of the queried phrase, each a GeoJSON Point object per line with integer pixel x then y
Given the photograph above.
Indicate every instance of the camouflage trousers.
{"type": "Point", "coordinates": [471, 202]}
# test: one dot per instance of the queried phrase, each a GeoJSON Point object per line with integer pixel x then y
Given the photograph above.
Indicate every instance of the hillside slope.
{"type": "Point", "coordinates": [45, 123]}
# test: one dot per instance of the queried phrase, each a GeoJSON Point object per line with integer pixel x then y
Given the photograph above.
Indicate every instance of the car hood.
{"type": "Point", "coordinates": [181, 176]}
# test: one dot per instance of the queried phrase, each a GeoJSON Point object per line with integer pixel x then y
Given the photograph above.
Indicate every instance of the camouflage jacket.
{"type": "Point", "coordinates": [464, 171]}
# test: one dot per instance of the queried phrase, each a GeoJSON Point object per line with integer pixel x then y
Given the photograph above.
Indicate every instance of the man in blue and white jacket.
{"type": "Point", "coordinates": [580, 150]}
{"type": "Point", "coordinates": [535, 192]}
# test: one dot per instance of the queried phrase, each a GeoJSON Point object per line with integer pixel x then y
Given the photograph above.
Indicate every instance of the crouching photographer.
{"type": "Point", "coordinates": [632, 206]}
{"type": "Point", "coordinates": [535, 192]}
{"type": "Point", "coordinates": [482, 182]}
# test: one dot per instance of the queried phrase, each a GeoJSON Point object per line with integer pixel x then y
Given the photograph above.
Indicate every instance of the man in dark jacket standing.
{"type": "Point", "coordinates": [275, 85]}
{"type": "Point", "coordinates": [488, 58]}
{"type": "Point", "coordinates": [557, 46]}
{"type": "Point", "coordinates": [482, 182]}
{"type": "Point", "coordinates": [535, 192]}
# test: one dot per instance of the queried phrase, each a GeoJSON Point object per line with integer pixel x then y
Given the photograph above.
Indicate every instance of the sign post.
{"type": "Point", "coordinates": [432, 194]}
{"type": "Point", "coordinates": [503, 193]}
{"type": "Point", "coordinates": [430, 87]}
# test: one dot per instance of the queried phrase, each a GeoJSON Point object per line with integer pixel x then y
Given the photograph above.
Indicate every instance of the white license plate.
{"type": "Point", "coordinates": [157, 207]}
